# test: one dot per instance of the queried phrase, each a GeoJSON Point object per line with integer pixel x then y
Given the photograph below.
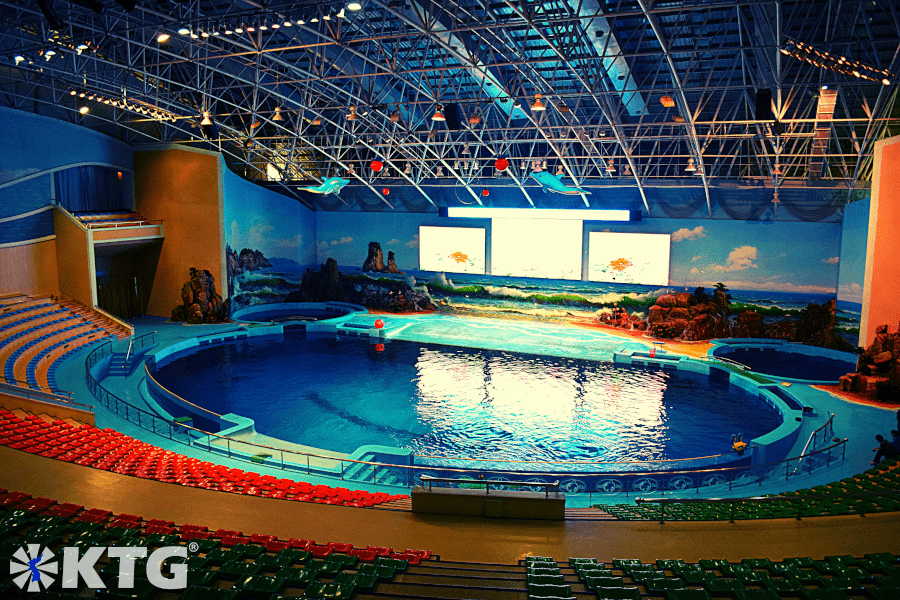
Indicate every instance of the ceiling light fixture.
{"type": "Point", "coordinates": [438, 115]}
{"type": "Point", "coordinates": [277, 116]}
{"type": "Point", "coordinates": [559, 171]}
{"type": "Point", "coordinates": [483, 212]}
{"type": "Point", "coordinates": [538, 105]}
{"type": "Point", "coordinates": [162, 38]}
{"type": "Point", "coordinates": [354, 6]}
{"type": "Point", "coordinates": [352, 115]}
{"type": "Point", "coordinates": [690, 168]}
{"type": "Point", "coordinates": [611, 168]}
{"type": "Point", "coordinates": [181, 31]}
{"type": "Point", "coordinates": [317, 121]}
{"type": "Point", "coordinates": [206, 120]}
{"type": "Point", "coordinates": [563, 107]}
{"type": "Point", "coordinates": [475, 119]}
{"type": "Point", "coordinates": [83, 110]}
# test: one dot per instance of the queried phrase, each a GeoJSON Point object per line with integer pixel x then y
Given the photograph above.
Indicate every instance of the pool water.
{"type": "Point", "coordinates": [339, 394]}
{"type": "Point", "coordinates": [792, 365]}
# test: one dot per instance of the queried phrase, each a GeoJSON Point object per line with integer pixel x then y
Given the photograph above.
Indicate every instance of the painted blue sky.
{"type": "Point", "coordinates": [853, 251]}
{"type": "Point", "coordinates": [262, 220]}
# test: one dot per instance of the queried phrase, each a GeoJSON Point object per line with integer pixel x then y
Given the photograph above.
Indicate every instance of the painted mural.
{"type": "Point", "coordinates": [854, 235]}
{"type": "Point", "coordinates": [270, 243]}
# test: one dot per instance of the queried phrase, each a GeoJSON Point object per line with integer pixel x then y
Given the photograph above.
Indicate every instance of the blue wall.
{"type": "Point", "coordinates": [37, 144]}
{"type": "Point", "coordinates": [282, 229]}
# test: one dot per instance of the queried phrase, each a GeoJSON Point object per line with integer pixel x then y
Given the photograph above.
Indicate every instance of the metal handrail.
{"type": "Point", "coordinates": [133, 340]}
{"type": "Point", "coordinates": [28, 393]}
{"type": "Point", "coordinates": [756, 500]}
{"type": "Point", "coordinates": [43, 387]}
{"type": "Point", "coordinates": [811, 436]}
{"type": "Point", "coordinates": [117, 224]}
{"type": "Point", "coordinates": [487, 483]}
{"type": "Point", "coordinates": [728, 361]}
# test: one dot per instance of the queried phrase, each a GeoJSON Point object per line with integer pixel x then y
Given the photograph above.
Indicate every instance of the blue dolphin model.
{"type": "Point", "coordinates": [553, 183]}
{"type": "Point", "coordinates": [333, 185]}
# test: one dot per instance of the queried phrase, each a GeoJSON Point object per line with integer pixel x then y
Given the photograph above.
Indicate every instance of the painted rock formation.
{"type": "Point", "coordinates": [878, 368]}
{"type": "Point", "coordinates": [329, 284]}
{"type": "Point", "coordinates": [690, 316]}
{"type": "Point", "coordinates": [375, 260]}
{"type": "Point", "coordinates": [199, 301]}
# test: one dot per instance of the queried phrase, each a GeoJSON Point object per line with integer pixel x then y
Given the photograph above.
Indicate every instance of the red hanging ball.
{"type": "Point", "coordinates": [501, 164]}
{"type": "Point", "coordinates": [377, 166]}
{"type": "Point", "coordinates": [485, 193]}
{"type": "Point", "coordinates": [385, 191]}
{"type": "Point", "coordinates": [379, 323]}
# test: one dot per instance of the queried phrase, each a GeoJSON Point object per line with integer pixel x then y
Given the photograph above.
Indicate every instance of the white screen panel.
{"type": "Point", "coordinates": [451, 249]}
{"type": "Point", "coordinates": [536, 248]}
{"type": "Point", "coordinates": [641, 258]}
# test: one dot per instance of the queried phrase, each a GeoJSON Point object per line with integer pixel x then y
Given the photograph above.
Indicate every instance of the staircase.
{"type": "Point", "coordinates": [118, 365]}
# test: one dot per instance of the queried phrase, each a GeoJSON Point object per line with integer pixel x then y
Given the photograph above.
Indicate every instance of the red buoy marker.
{"type": "Point", "coordinates": [377, 166]}
{"type": "Point", "coordinates": [501, 164]}
{"type": "Point", "coordinates": [379, 323]}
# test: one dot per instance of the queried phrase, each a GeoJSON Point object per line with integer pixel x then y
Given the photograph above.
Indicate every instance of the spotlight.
{"type": "Point", "coordinates": [162, 38]}
{"type": "Point", "coordinates": [250, 29]}
{"type": "Point", "coordinates": [83, 110]}
{"type": "Point", "coordinates": [438, 115]}
{"type": "Point", "coordinates": [277, 116]}
{"type": "Point", "coordinates": [50, 53]}
{"type": "Point", "coordinates": [354, 6]}
{"type": "Point", "coordinates": [690, 168]}
{"type": "Point", "coordinates": [239, 29]}
{"type": "Point", "coordinates": [73, 93]}
{"type": "Point", "coordinates": [184, 31]}
{"type": "Point", "coordinates": [538, 105]}
{"type": "Point", "coordinates": [352, 115]}
{"type": "Point", "coordinates": [886, 81]}
{"type": "Point", "coordinates": [317, 121]}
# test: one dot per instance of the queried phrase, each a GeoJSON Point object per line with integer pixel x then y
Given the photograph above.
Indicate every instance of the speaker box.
{"type": "Point", "coordinates": [452, 115]}
{"type": "Point", "coordinates": [764, 105]}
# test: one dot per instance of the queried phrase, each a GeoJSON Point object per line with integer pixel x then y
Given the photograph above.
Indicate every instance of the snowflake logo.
{"type": "Point", "coordinates": [33, 567]}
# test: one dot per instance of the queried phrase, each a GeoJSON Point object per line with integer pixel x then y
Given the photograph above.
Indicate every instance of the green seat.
{"type": "Point", "coordinates": [200, 576]}
{"type": "Point", "coordinates": [883, 593]}
{"type": "Point", "coordinates": [854, 573]}
{"type": "Point", "coordinates": [345, 560]}
{"type": "Point", "coordinates": [237, 570]}
{"type": "Point", "coordinates": [698, 577]}
{"type": "Point", "coordinates": [542, 571]}
{"type": "Point", "coordinates": [668, 564]}
{"type": "Point", "coordinates": [220, 556]}
{"type": "Point", "coordinates": [845, 584]}
{"type": "Point", "coordinates": [192, 561]}
{"type": "Point", "coordinates": [296, 575]}
{"type": "Point", "coordinates": [258, 586]}
{"type": "Point", "coordinates": [385, 572]}
{"type": "Point", "coordinates": [593, 571]}
{"type": "Point", "coordinates": [783, 586]}
{"type": "Point", "coordinates": [320, 566]}
{"type": "Point", "coordinates": [359, 580]}
{"type": "Point", "coordinates": [783, 569]}
{"type": "Point", "coordinates": [295, 556]}
{"type": "Point", "coordinates": [800, 562]}
{"type": "Point", "coordinates": [158, 540]}
{"type": "Point", "coordinates": [549, 591]}
{"type": "Point", "coordinates": [604, 582]}
{"type": "Point", "coordinates": [204, 546]}
{"type": "Point", "coordinates": [887, 582]}
{"type": "Point", "coordinates": [752, 576]}
{"type": "Point", "coordinates": [197, 592]}
{"type": "Point", "coordinates": [273, 562]}
{"type": "Point", "coordinates": [249, 550]}
{"type": "Point", "coordinates": [826, 567]}
{"type": "Point", "coordinates": [320, 589]}
{"type": "Point", "coordinates": [398, 564]}
{"type": "Point", "coordinates": [661, 585]}
{"type": "Point", "coordinates": [620, 563]}
{"type": "Point", "coordinates": [619, 593]}
{"type": "Point", "coordinates": [712, 564]}
{"type": "Point", "coordinates": [758, 563]}
{"type": "Point", "coordinates": [582, 561]}
{"type": "Point", "coordinates": [644, 576]}
{"type": "Point", "coordinates": [723, 586]}
{"type": "Point", "coordinates": [546, 579]}
{"type": "Point", "coordinates": [733, 570]}
{"type": "Point", "coordinates": [885, 557]}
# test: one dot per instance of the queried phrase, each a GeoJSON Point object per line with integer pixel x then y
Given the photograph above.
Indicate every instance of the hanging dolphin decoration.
{"type": "Point", "coordinates": [333, 185]}
{"type": "Point", "coordinates": [554, 184]}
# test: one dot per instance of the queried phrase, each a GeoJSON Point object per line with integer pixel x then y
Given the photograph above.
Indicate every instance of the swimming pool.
{"type": "Point", "coordinates": [794, 362]}
{"type": "Point", "coordinates": [340, 393]}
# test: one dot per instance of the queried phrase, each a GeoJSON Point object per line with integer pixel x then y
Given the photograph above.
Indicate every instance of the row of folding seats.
{"type": "Point", "coordinates": [876, 576]}
{"type": "Point", "coordinates": [822, 500]}
{"type": "Point", "coordinates": [10, 364]}
{"type": "Point", "coordinates": [10, 312]}
{"type": "Point", "coordinates": [6, 339]}
{"type": "Point", "coordinates": [30, 315]}
{"type": "Point", "coordinates": [222, 563]}
{"type": "Point", "coordinates": [111, 450]}
{"type": "Point", "coordinates": [78, 339]}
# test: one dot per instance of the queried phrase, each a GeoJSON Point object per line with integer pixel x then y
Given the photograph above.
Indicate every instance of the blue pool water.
{"type": "Point", "coordinates": [792, 365]}
{"type": "Point", "coordinates": [339, 394]}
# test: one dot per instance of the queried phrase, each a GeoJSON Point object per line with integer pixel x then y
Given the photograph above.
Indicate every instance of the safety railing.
{"type": "Point", "coordinates": [117, 224]}
{"type": "Point", "coordinates": [486, 483]}
{"type": "Point", "coordinates": [404, 475]}
{"type": "Point", "coordinates": [813, 438]}
{"type": "Point", "coordinates": [18, 384]}
{"type": "Point", "coordinates": [789, 500]}
{"type": "Point", "coordinates": [43, 396]}
{"type": "Point", "coordinates": [139, 342]}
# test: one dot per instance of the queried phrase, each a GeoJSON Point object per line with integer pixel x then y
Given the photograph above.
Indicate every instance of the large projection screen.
{"type": "Point", "coordinates": [452, 249]}
{"type": "Point", "coordinates": [641, 258]}
{"type": "Point", "coordinates": [543, 248]}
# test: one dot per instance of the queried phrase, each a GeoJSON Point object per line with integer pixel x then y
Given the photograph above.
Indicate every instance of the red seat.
{"type": "Point", "coordinates": [126, 517]}
{"type": "Point", "coordinates": [301, 544]}
{"type": "Point", "coordinates": [275, 546]}
{"type": "Point", "coordinates": [380, 550]}
{"type": "Point", "coordinates": [423, 554]}
{"type": "Point", "coordinates": [160, 523]}
{"type": "Point", "coordinates": [319, 551]}
{"type": "Point", "coordinates": [194, 534]}
{"type": "Point", "coordinates": [259, 538]}
{"type": "Point", "coordinates": [364, 555]}
{"type": "Point", "coordinates": [188, 527]}
{"type": "Point", "coordinates": [161, 529]}
{"type": "Point", "coordinates": [231, 541]}
{"type": "Point", "coordinates": [342, 548]}
{"type": "Point", "coordinates": [119, 524]}
{"type": "Point", "coordinates": [13, 498]}
{"type": "Point", "coordinates": [412, 559]}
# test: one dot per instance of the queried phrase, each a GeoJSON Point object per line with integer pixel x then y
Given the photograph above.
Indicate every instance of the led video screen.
{"type": "Point", "coordinates": [542, 248]}
{"type": "Point", "coordinates": [452, 249]}
{"type": "Point", "coordinates": [641, 258]}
